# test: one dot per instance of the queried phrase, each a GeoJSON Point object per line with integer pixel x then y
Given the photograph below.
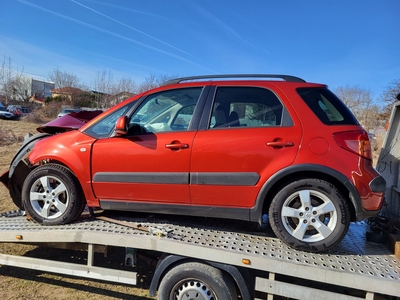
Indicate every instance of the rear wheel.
{"type": "Point", "coordinates": [310, 215]}
{"type": "Point", "coordinates": [51, 195]}
{"type": "Point", "coordinates": [196, 281]}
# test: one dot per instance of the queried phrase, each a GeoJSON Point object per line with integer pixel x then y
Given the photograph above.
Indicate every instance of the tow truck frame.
{"type": "Point", "coordinates": [260, 264]}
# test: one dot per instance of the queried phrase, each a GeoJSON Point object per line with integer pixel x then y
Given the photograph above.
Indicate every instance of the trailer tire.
{"type": "Point", "coordinates": [51, 195]}
{"type": "Point", "coordinates": [309, 214]}
{"type": "Point", "coordinates": [193, 280]}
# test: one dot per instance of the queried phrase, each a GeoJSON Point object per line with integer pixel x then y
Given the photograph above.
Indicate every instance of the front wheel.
{"type": "Point", "coordinates": [310, 215]}
{"type": "Point", "coordinates": [51, 195]}
{"type": "Point", "coordinates": [198, 281]}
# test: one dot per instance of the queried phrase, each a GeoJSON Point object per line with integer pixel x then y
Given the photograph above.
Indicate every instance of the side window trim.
{"type": "Point", "coordinates": [207, 110]}
{"type": "Point", "coordinates": [200, 108]}
{"type": "Point", "coordinates": [287, 120]}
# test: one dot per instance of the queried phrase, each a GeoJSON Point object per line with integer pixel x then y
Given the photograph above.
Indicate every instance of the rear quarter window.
{"type": "Point", "coordinates": [327, 106]}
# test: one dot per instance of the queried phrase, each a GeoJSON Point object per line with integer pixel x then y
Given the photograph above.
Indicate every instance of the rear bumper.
{"type": "Point", "coordinates": [364, 214]}
{"type": "Point", "coordinates": [375, 199]}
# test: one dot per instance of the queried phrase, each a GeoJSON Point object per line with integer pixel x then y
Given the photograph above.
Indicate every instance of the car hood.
{"type": "Point", "coordinates": [2, 112]}
{"type": "Point", "coordinates": [73, 121]}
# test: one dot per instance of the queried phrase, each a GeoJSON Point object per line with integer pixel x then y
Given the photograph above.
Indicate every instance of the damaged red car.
{"type": "Point", "coordinates": [224, 146]}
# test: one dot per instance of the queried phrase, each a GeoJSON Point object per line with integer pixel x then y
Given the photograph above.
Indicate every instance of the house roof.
{"type": "Point", "coordinates": [68, 90]}
{"type": "Point", "coordinates": [40, 99]}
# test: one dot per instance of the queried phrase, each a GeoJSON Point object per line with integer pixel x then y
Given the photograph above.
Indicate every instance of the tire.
{"type": "Point", "coordinates": [309, 215]}
{"type": "Point", "coordinates": [196, 281]}
{"type": "Point", "coordinates": [51, 195]}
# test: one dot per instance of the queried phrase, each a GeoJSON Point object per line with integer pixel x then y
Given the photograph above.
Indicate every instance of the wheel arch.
{"type": "Point", "coordinates": [19, 170]}
{"type": "Point", "coordinates": [241, 277]}
{"type": "Point", "coordinates": [50, 158]}
{"type": "Point", "coordinates": [69, 159]}
{"type": "Point", "coordinates": [60, 163]}
{"type": "Point", "coordinates": [289, 174]}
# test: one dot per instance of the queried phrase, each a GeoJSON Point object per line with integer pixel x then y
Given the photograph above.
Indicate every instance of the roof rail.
{"type": "Point", "coordinates": [288, 78]}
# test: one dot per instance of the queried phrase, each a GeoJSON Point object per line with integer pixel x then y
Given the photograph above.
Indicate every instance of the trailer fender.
{"type": "Point", "coordinates": [241, 277]}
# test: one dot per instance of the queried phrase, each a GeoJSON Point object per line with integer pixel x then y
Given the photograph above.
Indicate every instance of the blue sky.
{"type": "Point", "coordinates": [340, 43]}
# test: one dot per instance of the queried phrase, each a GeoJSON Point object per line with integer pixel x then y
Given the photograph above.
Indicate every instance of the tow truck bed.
{"type": "Point", "coordinates": [354, 264]}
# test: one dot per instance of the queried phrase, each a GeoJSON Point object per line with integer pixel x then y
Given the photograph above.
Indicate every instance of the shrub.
{"type": "Point", "coordinates": [8, 137]}
{"type": "Point", "coordinates": [51, 110]}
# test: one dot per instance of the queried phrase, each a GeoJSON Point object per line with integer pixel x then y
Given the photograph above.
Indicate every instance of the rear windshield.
{"type": "Point", "coordinates": [327, 106]}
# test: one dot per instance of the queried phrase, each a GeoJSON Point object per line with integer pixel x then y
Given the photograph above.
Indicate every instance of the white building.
{"type": "Point", "coordinates": [41, 89]}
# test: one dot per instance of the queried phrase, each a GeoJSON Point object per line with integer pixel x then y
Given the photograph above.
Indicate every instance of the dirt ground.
{"type": "Point", "coordinates": [16, 283]}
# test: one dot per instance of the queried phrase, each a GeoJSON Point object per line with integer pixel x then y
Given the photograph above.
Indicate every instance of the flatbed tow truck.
{"type": "Point", "coordinates": [194, 255]}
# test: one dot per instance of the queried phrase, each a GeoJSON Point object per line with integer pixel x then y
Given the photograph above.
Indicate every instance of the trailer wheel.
{"type": "Point", "coordinates": [51, 195]}
{"type": "Point", "coordinates": [196, 281]}
{"type": "Point", "coordinates": [310, 215]}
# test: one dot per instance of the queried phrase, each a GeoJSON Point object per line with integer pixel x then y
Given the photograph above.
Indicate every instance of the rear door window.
{"type": "Point", "coordinates": [327, 106]}
{"type": "Point", "coordinates": [247, 107]}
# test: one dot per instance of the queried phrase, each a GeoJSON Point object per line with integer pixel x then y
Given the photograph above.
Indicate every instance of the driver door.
{"type": "Point", "coordinates": [151, 163]}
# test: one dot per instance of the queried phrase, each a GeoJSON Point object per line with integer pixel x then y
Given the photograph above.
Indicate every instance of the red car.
{"type": "Point", "coordinates": [225, 146]}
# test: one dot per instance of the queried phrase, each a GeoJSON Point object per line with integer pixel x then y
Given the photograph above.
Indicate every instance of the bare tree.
{"type": "Point", "coordinates": [388, 97]}
{"type": "Point", "coordinates": [121, 90]}
{"type": "Point", "coordinates": [21, 88]}
{"type": "Point", "coordinates": [12, 82]}
{"type": "Point", "coordinates": [103, 87]}
{"type": "Point", "coordinates": [125, 85]}
{"type": "Point", "coordinates": [63, 79]}
{"type": "Point", "coordinates": [153, 81]}
{"type": "Point", "coordinates": [360, 102]}
{"type": "Point", "coordinates": [5, 78]}
{"type": "Point", "coordinates": [108, 92]}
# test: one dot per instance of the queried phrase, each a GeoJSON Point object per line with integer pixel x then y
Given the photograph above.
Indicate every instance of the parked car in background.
{"type": "Point", "coordinates": [67, 111]}
{"type": "Point", "coordinates": [19, 111]}
{"type": "Point", "coordinates": [4, 114]}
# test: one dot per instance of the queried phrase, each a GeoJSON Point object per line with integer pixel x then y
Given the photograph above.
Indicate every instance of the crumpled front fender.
{"type": "Point", "coordinates": [27, 146]}
{"type": "Point", "coordinates": [14, 178]}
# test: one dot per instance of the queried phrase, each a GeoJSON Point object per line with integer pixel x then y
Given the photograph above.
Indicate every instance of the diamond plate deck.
{"type": "Point", "coordinates": [353, 263]}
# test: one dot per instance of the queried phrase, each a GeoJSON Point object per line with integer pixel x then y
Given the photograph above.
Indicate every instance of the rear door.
{"type": "Point", "coordinates": [249, 136]}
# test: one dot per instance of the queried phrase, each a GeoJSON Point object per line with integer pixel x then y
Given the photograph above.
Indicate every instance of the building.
{"type": "Point", "coordinates": [67, 92]}
{"type": "Point", "coordinates": [41, 89]}
{"type": "Point", "coordinates": [115, 99]}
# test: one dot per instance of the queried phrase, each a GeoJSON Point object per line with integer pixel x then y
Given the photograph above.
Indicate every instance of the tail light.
{"type": "Point", "coordinates": [354, 141]}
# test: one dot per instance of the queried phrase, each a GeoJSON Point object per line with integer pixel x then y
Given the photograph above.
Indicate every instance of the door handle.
{"type": "Point", "coordinates": [177, 146]}
{"type": "Point", "coordinates": [280, 144]}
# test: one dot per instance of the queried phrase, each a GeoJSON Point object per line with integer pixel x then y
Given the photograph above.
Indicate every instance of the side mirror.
{"type": "Point", "coordinates": [121, 126]}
